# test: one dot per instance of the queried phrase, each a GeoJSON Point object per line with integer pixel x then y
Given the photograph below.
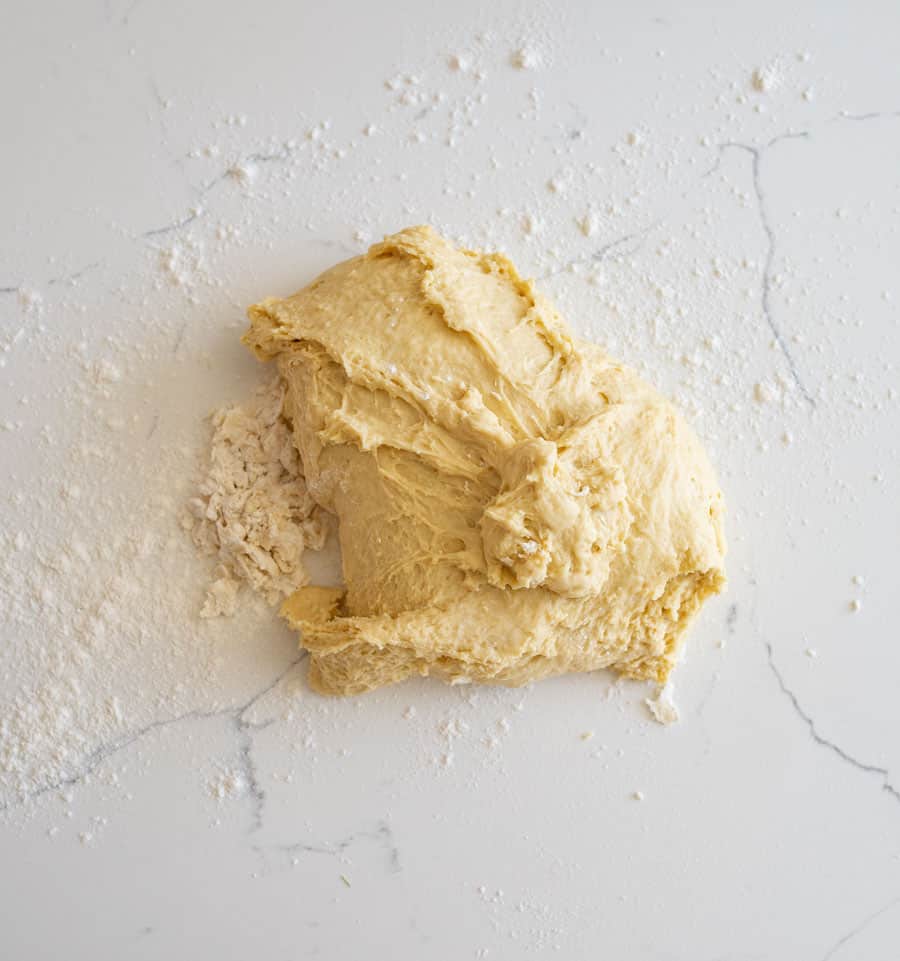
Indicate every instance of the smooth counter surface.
{"type": "Point", "coordinates": [712, 194]}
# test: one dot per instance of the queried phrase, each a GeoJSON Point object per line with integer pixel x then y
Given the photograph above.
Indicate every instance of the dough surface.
{"type": "Point", "coordinates": [512, 503]}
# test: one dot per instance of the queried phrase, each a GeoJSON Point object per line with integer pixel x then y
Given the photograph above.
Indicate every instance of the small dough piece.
{"type": "Point", "coordinates": [512, 503]}
{"type": "Point", "coordinates": [311, 605]}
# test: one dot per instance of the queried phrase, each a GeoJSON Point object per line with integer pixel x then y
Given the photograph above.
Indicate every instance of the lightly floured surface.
{"type": "Point", "coordinates": [512, 503]}
{"type": "Point", "coordinates": [805, 512]}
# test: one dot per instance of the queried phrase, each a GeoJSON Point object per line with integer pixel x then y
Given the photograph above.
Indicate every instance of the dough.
{"type": "Point", "coordinates": [512, 503]}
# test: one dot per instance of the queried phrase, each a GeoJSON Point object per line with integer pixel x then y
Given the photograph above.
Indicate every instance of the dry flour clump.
{"type": "Point", "coordinates": [767, 78]}
{"type": "Point", "coordinates": [254, 512]}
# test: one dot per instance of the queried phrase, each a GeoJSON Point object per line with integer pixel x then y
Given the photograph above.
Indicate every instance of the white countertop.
{"type": "Point", "coordinates": [169, 787]}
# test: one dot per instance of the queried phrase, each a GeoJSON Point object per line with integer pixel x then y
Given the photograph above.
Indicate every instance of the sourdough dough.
{"type": "Point", "coordinates": [512, 503]}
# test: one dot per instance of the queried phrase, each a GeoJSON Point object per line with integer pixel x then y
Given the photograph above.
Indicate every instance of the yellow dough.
{"type": "Point", "coordinates": [512, 503]}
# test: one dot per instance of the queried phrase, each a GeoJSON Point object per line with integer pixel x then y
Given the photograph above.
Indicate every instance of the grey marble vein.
{"type": "Point", "coordinates": [243, 730]}
{"type": "Point", "coordinates": [381, 834]}
{"type": "Point", "coordinates": [58, 279]}
{"type": "Point", "coordinates": [126, 17]}
{"type": "Point", "coordinates": [869, 115]}
{"type": "Point", "coordinates": [75, 274]}
{"type": "Point", "coordinates": [173, 226]}
{"type": "Point", "coordinates": [703, 703]}
{"type": "Point", "coordinates": [859, 928]}
{"type": "Point", "coordinates": [179, 340]}
{"type": "Point", "coordinates": [756, 158]}
{"type": "Point", "coordinates": [103, 751]}
{"type": "Point", "coordinates": [278, 156]}
{"type": "Point", "coordinates": [114, 19]}
{"type": "Point", "coordinates": [605, 251]}
{"type": "Point", "coordinates": [602, 252]}
{"type": "Point", "coordinates": [237, 716]}
{"type": "Point", "coordinates": [731, 618]}
{"type": "Point", "coordinates": [821, 740]}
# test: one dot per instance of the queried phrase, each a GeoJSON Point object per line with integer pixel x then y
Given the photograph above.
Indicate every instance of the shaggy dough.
{"type": "Point", "coordinates": [512, 502]}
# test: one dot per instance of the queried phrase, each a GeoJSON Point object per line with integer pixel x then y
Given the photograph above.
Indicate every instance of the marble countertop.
{"type": "Point", "coordinates": [712, 191]}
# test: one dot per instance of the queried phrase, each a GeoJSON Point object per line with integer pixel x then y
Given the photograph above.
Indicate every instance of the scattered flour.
{"type": "Point", "coordinates": [531, 225]}
{"type": "Point", "coordinates": [459, 61]}
{"type": "Point", "coordinates": [526, 58]}
{"type": "Point", "coordinates": [228, 783]}
{"type": "Point", "coordinates": [32, 301]}
{"type": "Point", "coordinates": [765, 393]}
{"type": "Point", "coordinates": [180, 264]}
{"type": "Point", "coordinates": [767, 78]}
{"type": "Point", "coordinates": [587, 224]}
{"type": "Point", "coordinates": [245, 173]}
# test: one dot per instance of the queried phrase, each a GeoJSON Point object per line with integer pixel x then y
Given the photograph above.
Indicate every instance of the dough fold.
{"type": "Point", "coordinates": [512, 503]}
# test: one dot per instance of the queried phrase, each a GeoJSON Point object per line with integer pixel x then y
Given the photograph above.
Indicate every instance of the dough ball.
{"type": "Point", "coordinates": [512, 503]}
